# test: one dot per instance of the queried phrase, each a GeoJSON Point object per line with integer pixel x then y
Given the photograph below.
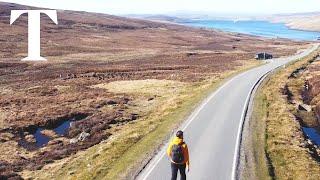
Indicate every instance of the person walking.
{"type": "Point", "coordinates": [179, 156]}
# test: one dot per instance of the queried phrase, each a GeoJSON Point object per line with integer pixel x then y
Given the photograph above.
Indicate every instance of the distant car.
{"type": "Point", "coordinates": [263, 56]}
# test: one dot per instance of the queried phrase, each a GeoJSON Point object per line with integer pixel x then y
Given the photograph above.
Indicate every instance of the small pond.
{"type": "Point", "coordinates": [60, 129]}
{"type": "Point", "coordinates": [313, 134]}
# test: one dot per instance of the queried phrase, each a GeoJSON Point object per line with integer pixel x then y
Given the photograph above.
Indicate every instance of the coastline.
{"type": "Point", "coordinates": [291, 27]}
{"type": "Point", "coordinates": [251, 31]}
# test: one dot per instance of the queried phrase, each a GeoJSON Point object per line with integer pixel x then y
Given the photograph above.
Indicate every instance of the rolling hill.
{"type": "Point", "coordinates": [106, 77]}
{"type": "Point", "coordinates": [301, 21]}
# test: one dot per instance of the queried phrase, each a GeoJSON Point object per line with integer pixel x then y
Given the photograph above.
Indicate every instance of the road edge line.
{"type": "Point", "coordinates": [240, 129]}
{"type": "Point", "coordinates": [236, 157]}
{"type": "Point", "coordinates": [188, 122]}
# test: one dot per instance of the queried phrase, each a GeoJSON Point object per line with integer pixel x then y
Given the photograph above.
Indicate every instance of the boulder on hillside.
{"type": "Point", "coordinates": [304, 107]}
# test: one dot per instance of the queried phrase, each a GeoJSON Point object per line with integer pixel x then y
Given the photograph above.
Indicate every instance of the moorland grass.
{"type": "Point", "coordinates": [282, 154]}
{"type": "Point", "coordinates": [129, 146]}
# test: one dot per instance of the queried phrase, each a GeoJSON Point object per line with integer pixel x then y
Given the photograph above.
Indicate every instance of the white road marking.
{"type": "Point", "coordinates": [242, 119]}
{"type": "Point", "coordinates": [237, 147]}
{"type": "Point", "coordinates": [192, 117]}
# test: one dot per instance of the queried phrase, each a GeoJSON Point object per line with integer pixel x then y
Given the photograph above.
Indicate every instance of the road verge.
{"type": "Point", "coordinates": [271, 140]}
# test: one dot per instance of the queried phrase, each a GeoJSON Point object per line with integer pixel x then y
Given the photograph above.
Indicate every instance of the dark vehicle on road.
{"type": "Point", "coordinates": [263, 56]}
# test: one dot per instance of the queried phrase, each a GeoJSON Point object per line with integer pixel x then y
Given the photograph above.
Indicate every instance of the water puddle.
{"type": "Point", "coordinates": [41, 139]}
{"type": "Point", "coordinates": [313, 134]}
{"type": "Point", "coordinates": [63, 128]}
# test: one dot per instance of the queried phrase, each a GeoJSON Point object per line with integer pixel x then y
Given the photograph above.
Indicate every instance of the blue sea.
{"type": "Point", "coordinates": [258, 28]}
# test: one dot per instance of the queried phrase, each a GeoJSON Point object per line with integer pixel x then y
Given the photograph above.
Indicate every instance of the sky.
{"type": "Point", "coordinates": [119, 7]}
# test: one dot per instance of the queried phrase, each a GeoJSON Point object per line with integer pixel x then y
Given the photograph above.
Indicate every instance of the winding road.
{"type": "Point", "coordinates": [213, 130]}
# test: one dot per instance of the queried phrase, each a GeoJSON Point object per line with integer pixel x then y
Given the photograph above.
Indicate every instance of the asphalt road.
{"type": "Point", "coordinates": [213, 130]}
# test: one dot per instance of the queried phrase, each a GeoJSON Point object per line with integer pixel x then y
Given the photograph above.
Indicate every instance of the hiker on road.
{"type": "Point", "coordinates": [179, 156]}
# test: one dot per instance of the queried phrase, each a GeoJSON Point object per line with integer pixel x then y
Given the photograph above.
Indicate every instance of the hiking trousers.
{"type": "Point", "coordinates": [174, 171]}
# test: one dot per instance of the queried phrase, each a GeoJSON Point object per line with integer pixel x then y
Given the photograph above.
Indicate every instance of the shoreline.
{"type": "Point", "coordinates": [190, 23]}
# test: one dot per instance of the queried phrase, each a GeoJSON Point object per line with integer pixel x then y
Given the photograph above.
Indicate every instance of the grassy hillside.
{"type": "Point", "coordinates": [283, 151]}
{"type": "Point", "coordinates": [161, 71]}
{"type": "Point", "coordinates": [308, 21]}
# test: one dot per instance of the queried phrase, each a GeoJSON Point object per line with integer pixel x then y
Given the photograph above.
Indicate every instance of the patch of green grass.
{"type": "Point", "coordinates": [283, 134]}
{"type": "Point", "coordinates": [257, 128]}
{"type": "Point", "coordinates": [120, 156]}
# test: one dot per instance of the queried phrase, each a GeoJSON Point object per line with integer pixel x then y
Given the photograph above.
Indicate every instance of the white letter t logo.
{"type": "Point", "coordinates": [34, 30]}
